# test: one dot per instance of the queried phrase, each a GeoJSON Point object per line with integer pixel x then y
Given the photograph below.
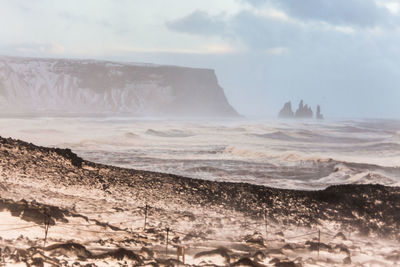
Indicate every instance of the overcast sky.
{"type": "Point", "coordinates": [342, 54]}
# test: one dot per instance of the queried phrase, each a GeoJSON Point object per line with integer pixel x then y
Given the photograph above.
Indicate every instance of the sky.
{"type": "Point", "coordinates": [341, 54]}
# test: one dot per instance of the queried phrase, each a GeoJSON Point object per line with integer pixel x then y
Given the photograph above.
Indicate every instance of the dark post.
{"type": "Point", "coordinates": [319, 239]}
{"type": "Point", "coordinates": [166, 245]}
{"type": "Point", "coordinates": [266, 223]}
{"type": "Point", "coordinates": [145, 216]}
{"type": "Point", "coordinates": [46, 225]}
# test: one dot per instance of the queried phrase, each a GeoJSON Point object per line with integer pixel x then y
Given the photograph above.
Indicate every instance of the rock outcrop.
{"type": "Point", "coordinates": [319, 116]}
{"type": "Point", "coordinates": [286, 111]}
{"type": "Point", "coordinates": [302, 112]}
{"type": "Point", "coordinates": [89, 87]}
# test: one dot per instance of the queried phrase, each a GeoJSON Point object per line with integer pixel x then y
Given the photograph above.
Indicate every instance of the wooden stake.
{"type": "Point", "coordinates": [266, 223]}
{"type": "Point", "coordinates": [180, 251]}
{"type": "Point", "coordinates": [46, 226]}
{"type": "Point", "coordinates": [319, 239]}
{"type": "Point", "coordinates": [166, 245]}
{"type": "Point", "coordinates": [145, 216]}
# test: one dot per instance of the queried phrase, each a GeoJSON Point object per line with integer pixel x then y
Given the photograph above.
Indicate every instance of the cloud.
{"type": "Point", "coordinates": [362, 13]}
{"type": "Point", "coordinates": [277, 51]}
{"type": "Point", "coordinates": [327, 59]}
{"type": "Point", "coordinates": [91, 21]}
{"type": "Point", "coordinates": [199, 22]}
{"type": "Point", "coordinates": [33, 49]}
{"type": "Point", "coordinates": [261, 32]}
{"type": "Point", "coordinates": [199, 50]}
{"type": "Point", "coordinates": [57, 49]}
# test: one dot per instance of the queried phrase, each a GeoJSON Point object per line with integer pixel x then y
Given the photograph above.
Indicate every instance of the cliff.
{"type": "Point", "coordinates": [79, 87]}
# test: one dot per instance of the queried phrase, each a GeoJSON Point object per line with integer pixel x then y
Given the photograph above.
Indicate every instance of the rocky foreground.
{"type": "Point", "coordinates": [57, 209]}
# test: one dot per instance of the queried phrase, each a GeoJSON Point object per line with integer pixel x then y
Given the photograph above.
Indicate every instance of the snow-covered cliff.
{"type": "Point", "coordinates": [79, 87]}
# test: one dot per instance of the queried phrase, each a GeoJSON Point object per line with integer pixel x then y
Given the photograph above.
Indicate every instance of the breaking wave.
{"type": "Point", "coordinates": [169, 133]}
{"type": "Point", "coordinates": [309, 136]}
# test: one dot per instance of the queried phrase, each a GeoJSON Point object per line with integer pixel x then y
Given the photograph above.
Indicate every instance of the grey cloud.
{"type": "Point", "coordinates": [199, 22]}
{"type": "Point", "coordinates": [255, 3]}
{"type": "Point", "coordinates": [256, 32]}
{"type": "Point", "coordinates": [363, 13]}
{"type": "Point", "coordinates": [262, 32]}
{"type": "Point", "coordinates": [324, 65]}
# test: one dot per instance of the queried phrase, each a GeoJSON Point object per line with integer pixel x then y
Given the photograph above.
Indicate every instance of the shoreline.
{"type": "Point", "coordinates": [235, 195]}
{"type": "Point", "coordinates": [198, 212]}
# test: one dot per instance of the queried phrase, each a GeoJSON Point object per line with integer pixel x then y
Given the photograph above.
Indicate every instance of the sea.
{"type": "Point", "coordinates": [291, 154]}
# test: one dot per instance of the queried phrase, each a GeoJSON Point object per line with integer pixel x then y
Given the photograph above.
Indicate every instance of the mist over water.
{"type": "Point", "coordinates": [285, 154]}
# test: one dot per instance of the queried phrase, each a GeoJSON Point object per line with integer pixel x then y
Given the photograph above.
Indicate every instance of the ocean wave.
{"type": "Point", "coordinates": [384, 146]}
{"type": "Point", "coordinates": [349, 129]}
{"type": "Point", "coordinates": [312, 137]}
{"type": "Point", "coordinates": [131, 135]}
{"type": "Point", "coordinates": [289, 156]}
{"type": "Point", "coordinates": [169, 133]}
{"type": "Point", "coordinates": [396, 136]}
{"type": "Point", "coordinates": [352, 173]}
{"type": "Point", "coordinates": [208, 169]}
{"type": "Point", "coordinates": [41, 131]}
{"type": "Point", "coordinates": [279, 135]}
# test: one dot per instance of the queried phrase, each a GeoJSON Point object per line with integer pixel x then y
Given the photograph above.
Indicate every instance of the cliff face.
{"type": "Point", "coordinates": [59, 86]}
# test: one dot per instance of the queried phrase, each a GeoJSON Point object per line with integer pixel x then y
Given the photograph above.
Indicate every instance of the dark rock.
{"type": "Point", "coordinates": [221, 251]}
{"type": "Point", "coordinates": [319, 116]}
{"type": "Point", "coordinates": [146, 253]}
{"type": "Point", "coordinates": [395, 256]}
{"type": "Point", "coordinates": [286, 111]}
{"type": "Point", "coordinates": [170, 262]}
{"type": "Point", "coordinates": [120, 254]}
{"type": "Point", "coordinates": [279, 234]}
{"type": "Point", "coordinates": [303, 111]}
{"type": "Point", "coordinates": [246, 262]}
{"type": "Point", "coordinates": [341, 236]}
{"type": "Point", "coordinates": [152, 264]}
{"type": "Point", "coordinates": [286, 264]}
{"type": "Point", "coordinates": [150, 230]}
{"type": "Point", "coordinates": [69, 249]}
{"type": "Point", "coordinates": [347, 260]}
{"type": "Point", "coordinates": [259, 256]}
{"type": "Point", "coordinates": [176, 240]}
{"type": "Point", "coordinates": [274, 260]}
{"type": "Point", "coordinates": [315, 246]}
{"type": "Point", "coordinates": [37, 262]}
{"type": "Point", "coordinates": [255, 238]}
{"type": "Point", "coordinates": [342, 248]}
{"type": "Point", "coordinates": [69, 155]}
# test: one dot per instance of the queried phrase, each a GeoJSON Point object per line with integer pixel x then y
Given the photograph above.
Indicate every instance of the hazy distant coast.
{"type": "Point", "coordinates": [67, 87]}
